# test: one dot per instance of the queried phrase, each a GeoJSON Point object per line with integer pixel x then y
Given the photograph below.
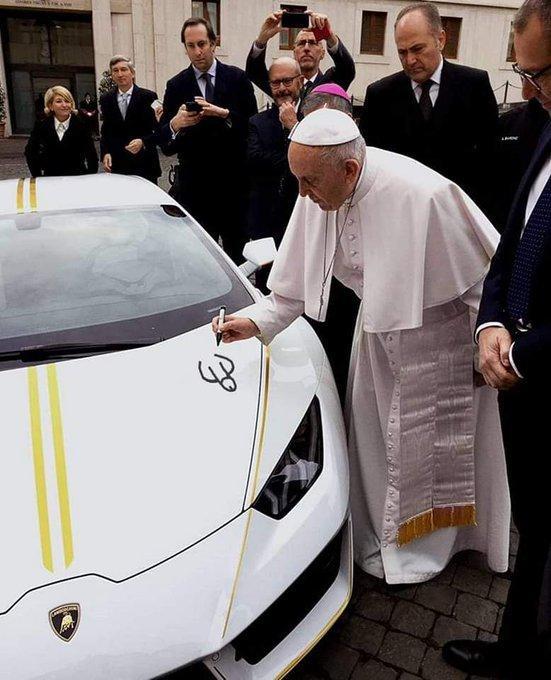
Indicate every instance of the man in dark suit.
{"type": "Point", "coordinates": [211, 142]}
{"type": "Point", "coordinates": [129, 130]}
{"type": "Point", "coordinates": [308, 52]}
{"type": "Point", "coordinates": [443, 115]}
{"type": "Point", "coordinates": [519, 130]}
{"type": "Point", "coordinates": [514, 333]}
{"type": "Point", "coordinates": [273, 187]}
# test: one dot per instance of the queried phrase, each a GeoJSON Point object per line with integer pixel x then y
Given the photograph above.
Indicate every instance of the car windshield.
{"type": "Point", "coordinates": [109, 274]}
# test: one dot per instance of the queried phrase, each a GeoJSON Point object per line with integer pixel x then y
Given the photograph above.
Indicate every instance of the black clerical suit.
{"type": "Point", "coordinates": [519, 130]}
{"type": "Point", "coordinates": [457, 138]}
{"type": "Point", "coordinates": [74, 154]}
{"type": "Point", "coordinates": [524, 410]}
{"type": "Point", "coordinates": [273, 187]}
{"type": "Point", "coordinates": [138, 123]}
{"type": "Point", "coordinates": [211, 174]}
{"type": "Point", "coordinates": [342, 73]}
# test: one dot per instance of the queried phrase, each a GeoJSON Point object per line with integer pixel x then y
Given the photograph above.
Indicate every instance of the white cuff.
{"type": "Point", "coordinates": [490, 324]}
{"type": "Point", "coordinates": [174, 134]}
{"type": "Point", "coordinates": [257, 50]}
{"type": "Point", "coordinates": [515, 369]}
{"type": "Point", "coordinates": [335, 47]}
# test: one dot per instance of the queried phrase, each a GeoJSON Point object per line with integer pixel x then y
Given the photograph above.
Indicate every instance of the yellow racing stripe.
{"type": "Point", "coordinates": [32, 194]}
{"type": "Point", "coordinates": [19, 195]}
{"type": "Point", "coordinates": [60, 464]}
{"type": "Point", "coordinates": [39, 475]}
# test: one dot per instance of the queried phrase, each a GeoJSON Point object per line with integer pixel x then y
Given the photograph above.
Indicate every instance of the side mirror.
{"type": "Point", "coordinates": [258, 254]}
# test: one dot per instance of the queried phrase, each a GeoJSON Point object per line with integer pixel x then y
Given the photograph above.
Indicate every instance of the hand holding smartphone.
{"type": "Point", "coordinates": [193, 107]}
{"type": "Point", "coordinates": [295, 20]}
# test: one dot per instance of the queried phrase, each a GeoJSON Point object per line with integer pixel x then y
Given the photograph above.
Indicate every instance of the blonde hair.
{"type": "Point", "coordinates": [57, 91]}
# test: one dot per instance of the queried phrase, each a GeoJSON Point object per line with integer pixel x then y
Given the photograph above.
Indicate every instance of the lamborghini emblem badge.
{"type": "Point", "coordinates": [64, 621]}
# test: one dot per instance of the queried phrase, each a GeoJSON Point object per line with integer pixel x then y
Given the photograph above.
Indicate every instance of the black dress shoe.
{"type": "Point", "coordinates": [476, 657]}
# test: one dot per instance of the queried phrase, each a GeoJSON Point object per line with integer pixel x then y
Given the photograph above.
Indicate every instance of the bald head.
{"type": "Point", "coordinates": [285, 80]}
{"type": "Point", "coordinates": [420, 40]}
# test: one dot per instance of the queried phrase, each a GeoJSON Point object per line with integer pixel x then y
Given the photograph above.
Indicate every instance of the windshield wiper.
{"type": "Point", "coordinates": [46, 352]}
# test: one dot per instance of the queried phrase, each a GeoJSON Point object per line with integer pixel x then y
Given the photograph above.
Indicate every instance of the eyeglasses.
{"type": "Point", "coordinates": [282, 81]}
{"type": "Point", "coordinates": [303, 42]}
{"type": "Point", "coordinates": [531, 77]}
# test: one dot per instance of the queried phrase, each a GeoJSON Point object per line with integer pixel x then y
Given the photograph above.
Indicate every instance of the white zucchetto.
{"type": "Point", "coordinates": [325, 127]}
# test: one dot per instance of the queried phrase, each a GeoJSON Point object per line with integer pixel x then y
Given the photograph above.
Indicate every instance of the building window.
{"type": "Point", "coordinates": [209, 11]}
{"type": "Point", "coordinates": [288, 35]}
{"type": "Point", "coordinates": [452, 26]}
{"type": "Point", "coordinates": [511, 56]}
{"type": "Point", "coordinates": [373, 33]}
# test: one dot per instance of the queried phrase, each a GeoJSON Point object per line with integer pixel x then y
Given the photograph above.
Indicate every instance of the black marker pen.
{"type": "Point", "coordinates": [221, 317]}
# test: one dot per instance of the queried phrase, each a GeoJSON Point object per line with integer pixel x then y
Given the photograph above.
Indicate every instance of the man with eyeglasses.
{"type": "Point", "coordinates": [442, 114]}
{"type": "Point", "coordinates": [514, 334]}
{"type": "Point", "coordinates": [273, 188]}
{"type": "Point", "coordinates": [308, 52]}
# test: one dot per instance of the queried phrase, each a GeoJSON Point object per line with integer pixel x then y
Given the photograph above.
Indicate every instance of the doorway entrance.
{"type": "Point", "coordinates": [42, 49]}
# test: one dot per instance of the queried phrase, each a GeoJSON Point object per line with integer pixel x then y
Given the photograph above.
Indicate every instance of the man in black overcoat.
{"type": "Point", "coordinates": [514, 333]}
{"type": "Point", "coordinates": [442, 114]}
{"type": "Point", "coordinates": [211, 142]}
{"type": "Point", "coordinates": [128, 140]}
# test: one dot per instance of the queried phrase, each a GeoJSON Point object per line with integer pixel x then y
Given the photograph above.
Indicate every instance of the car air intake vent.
{"type": "Point", "coordinates": [273, 626]}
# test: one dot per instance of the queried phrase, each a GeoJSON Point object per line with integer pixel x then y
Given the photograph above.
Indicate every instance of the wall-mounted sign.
{"type": "Point", "coordinates": [74, 5]}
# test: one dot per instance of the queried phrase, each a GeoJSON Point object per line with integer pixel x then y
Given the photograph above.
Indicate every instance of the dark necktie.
{"type": "Point", "coordinates": [425, 102]}
{"type": "Point", "coordinates": [528, 256]}
{"type": "Point", "coordinates": [209, 89]}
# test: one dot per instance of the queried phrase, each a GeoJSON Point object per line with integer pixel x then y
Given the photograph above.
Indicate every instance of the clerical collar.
{"type": "Point", "coordinates": [365, 182]}
{"type": "Point", "coordinates": [436, 76]}
{"type": "Point", "coordinates": [211, 71]}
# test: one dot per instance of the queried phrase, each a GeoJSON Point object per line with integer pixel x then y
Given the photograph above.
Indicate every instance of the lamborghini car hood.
{"type": "Point", "coordinates": [114, 463]}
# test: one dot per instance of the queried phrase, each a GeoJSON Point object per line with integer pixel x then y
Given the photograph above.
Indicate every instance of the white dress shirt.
{"type": "Point", "coordinates": [434, 88]}
{"type": "Point", "coordinates": [62, 127]}
{"type": "Point", "coordinates": [201, 81]}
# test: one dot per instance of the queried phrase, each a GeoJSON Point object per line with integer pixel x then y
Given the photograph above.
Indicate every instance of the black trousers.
{"type": "Point", "coordinates": [524, 411]}
{"type": "Point", "coordinates": [337, 331]}
{"type": "Point", "coordinates": [221, 213]}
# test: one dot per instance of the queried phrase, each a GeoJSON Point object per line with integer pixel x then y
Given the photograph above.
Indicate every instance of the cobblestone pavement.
{"type": "Point", "coordinates": [387, 632]}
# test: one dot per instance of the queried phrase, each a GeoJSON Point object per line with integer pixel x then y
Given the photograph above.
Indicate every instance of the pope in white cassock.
{"type": "Point", "coordinates": [427, 468]}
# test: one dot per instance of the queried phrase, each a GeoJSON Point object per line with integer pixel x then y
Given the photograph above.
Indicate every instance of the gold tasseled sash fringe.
{"type": "Point", "coordinates": [436, 518]}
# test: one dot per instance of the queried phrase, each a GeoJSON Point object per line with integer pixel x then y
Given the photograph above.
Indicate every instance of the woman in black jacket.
{"type": "Point", "coordinates": [61, 144]}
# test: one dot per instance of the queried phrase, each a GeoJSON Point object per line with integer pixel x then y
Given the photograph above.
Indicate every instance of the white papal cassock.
{"type": "Point", "coordinates": [425, 449]}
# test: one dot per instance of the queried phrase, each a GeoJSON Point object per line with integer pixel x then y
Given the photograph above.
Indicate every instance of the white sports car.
{"type": "Point", "coordinates": [164, 501]}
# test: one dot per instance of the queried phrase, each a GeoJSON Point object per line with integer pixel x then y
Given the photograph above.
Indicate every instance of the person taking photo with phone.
{"type": "Point", "coordinates": [128, 139]}
{"type": "Point", "coordinates": [206, 110]}
{"type": "Point", "coordinates": [308, 51]}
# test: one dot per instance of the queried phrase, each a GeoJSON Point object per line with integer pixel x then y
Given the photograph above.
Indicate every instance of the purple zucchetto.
{"type": "Point", "coordinates": [332, 88]}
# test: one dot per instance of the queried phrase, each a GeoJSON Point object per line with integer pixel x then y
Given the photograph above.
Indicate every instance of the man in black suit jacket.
{"type": "Point", "coordinates": [273, 187]}
{"type": "Point", "coordinates": [129, 130]}
{"type": "Point", "coordinates": [519, 130]}
{"type": "Point", "coordinates": [514, 333]}
{"type": "Point", "coordinates": [308, 52]}
{"type": "Point", "coordinates": [211, 143]}
{"type": "Point", "coordinates": [442, 114]}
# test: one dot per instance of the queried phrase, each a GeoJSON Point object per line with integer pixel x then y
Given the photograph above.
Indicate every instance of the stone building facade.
{"type": "Point", "coordinates": [71, 41]}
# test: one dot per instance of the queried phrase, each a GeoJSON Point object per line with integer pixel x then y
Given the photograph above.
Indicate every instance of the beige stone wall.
{"type": "Point", "coordinates": [149, 32]}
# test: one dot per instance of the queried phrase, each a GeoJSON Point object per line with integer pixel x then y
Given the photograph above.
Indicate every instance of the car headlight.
{"type": "Point", "coordinates": [297, 469]}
